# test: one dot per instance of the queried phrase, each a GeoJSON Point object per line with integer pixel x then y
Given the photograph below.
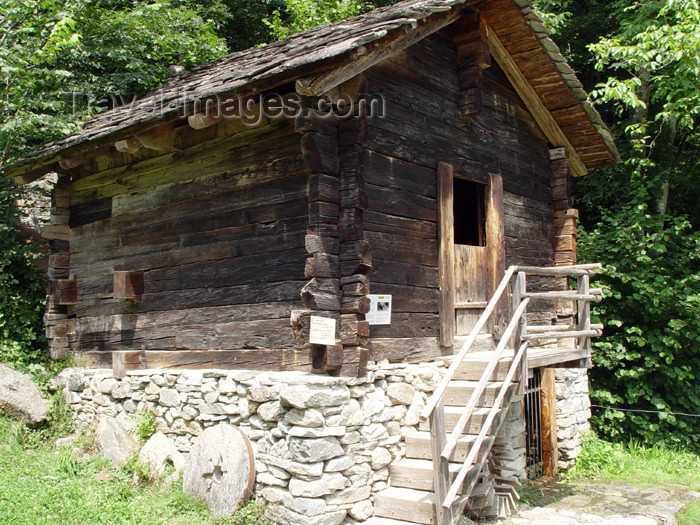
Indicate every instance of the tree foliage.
{"type": "Point", "coordinates": [639, 59]}
{"type": "Point", "coordinates": [298, 15]}
{"type": "Point", "coordinates": [22, 288]}
{"type": "Point", "coordinates": [649, 358]}
{"type": "Point", "coordinates": [54, 53]}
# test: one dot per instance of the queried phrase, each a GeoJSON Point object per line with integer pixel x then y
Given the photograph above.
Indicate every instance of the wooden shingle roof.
{"type": "Point", "coordinates": [320, 57]}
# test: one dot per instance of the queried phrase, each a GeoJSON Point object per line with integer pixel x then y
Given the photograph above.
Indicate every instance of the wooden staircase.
{"type": "Point", "coordinates": [410, 497]}
{"type": "Point", "coordinates": [452, 461]}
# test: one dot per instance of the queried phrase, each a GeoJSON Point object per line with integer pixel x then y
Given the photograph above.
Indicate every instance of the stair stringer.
{"type": "Point", "coordinates": [494, 499]}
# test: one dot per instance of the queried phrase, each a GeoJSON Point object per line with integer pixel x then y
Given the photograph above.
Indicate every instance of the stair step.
{"type": "Point", "coordinates": [418, 447]}
{"type": "Point", "coordinates": [377, 520]}
{"type": "Point", "coordinates": [452, 415]}
{"type": "Point", "coordinates": [398, 503]}
{"type": "Point", "coordinates": [474, 364]}
{"type": "Point", "coordinates": [418, 473]}
{"type": "Point", "coordinates": [459, 392]}
{"type": "Point", "coordinates": [482, 501]}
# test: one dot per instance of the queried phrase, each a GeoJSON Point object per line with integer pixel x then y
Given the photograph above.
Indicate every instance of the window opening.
{"type": "Point", "coordinates": [469, 213]}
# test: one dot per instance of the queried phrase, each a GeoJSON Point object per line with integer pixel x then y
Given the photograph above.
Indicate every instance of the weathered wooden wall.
{"type": "Point", "coordinates": [421, 127]}
{"type": "Point", "coordinates": [217, 225]}
{"type": "Point", "coordinates": [229, 224]}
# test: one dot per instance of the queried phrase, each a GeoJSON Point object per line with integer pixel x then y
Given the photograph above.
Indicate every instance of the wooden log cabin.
{"type": "Point", "coordinates": [415, 151]}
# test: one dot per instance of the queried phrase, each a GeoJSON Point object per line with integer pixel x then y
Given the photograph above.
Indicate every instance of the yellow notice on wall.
{"type": "Point", "coordinates": [379, 309]}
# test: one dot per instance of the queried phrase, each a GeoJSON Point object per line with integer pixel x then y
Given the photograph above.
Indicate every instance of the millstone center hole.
{"type": "Point", "coordinates": [218, 473]}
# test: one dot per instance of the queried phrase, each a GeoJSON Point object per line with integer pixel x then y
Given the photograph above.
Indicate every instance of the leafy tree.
{"type": "Point", "coordinates": [649, 358]}
{"type": "Point", "coordinates": [655, 58]}
{"type": "Point", "coordinates": [641, 217]}
{"type": "Point", "coordinates": [298, 15]}
{"type": "Point", "coordinates": [50, 49]}
{"type": "Point", "coordinates": [22, 288]}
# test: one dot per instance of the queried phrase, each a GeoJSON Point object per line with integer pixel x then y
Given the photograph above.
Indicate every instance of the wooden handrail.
{"type": "Point", "coordinates": [563, 334]}
{"type": "Point", "coordinates": [574, 270]}
{"type": "Point", "coordinates": [562, 296]}
{"type": "Point", "coordinates": [474, 450]}
{"type": "Point", "coordinates": [538, 329]}
{"type": "Point", "coordinates": [440, 390]}
{"type": "Point", "coordinates": [481, 385]}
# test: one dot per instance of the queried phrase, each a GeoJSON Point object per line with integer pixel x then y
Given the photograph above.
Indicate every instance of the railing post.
{"type": "Point", "coordinates": [584, 313]}
{"type": "Point", "coordinates": [519, 289]}
{"type": "Point", "coordinates": [441, 466]}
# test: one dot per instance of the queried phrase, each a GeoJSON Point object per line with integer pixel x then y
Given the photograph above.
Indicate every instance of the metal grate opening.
{"type": "Point", "coordinates": [533, 426]}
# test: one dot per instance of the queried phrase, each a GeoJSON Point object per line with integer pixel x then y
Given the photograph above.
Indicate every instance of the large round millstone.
{"type": "Point", "coordinates": [220, 469]}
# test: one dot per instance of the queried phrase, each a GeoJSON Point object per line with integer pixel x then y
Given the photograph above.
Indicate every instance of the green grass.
{"type": "Point", "coordinates": [640, 465]}
{"type": "Point", "coordinates": [41, 485]}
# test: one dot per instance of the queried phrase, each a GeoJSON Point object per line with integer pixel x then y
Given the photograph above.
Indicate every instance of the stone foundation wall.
{"type": "Point", "coordinates": [322, 444]}
{"type": "Point", "coordinates": [573, 412]}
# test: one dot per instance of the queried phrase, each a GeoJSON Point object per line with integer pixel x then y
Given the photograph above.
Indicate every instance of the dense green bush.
{"type": "Point", "coordinates": [649, 357]}
{"type": "Point", "coordinates": [22, 290]}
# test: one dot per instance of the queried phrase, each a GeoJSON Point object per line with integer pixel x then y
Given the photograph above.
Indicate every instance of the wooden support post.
{"type": "Point", "coordinates": [495, 244]}
{"type": "Point", "coordinates": [548, 405]}
{"type": "Point", "coordinates": [322, 294]}
{"type": "Point", "coordinates": [355, 255]}
{"type": "Point", "coordinates": [584, 314]}
{"type": "Point", "coordinates": [441, 466]}
{"type": "Point", "coordinates": [519, 291]}
{"type": "Point", "coordinates": [63, 291]}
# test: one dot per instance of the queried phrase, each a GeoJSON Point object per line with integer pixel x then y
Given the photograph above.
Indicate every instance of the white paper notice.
{"type": "Point", "coordinates": [322, 331]}
{"type": "Point", "coordinates": [379, 309]}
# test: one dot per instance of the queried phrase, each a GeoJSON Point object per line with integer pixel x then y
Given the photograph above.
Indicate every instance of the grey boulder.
{"type": "Point", "coordinates": [19, 396]}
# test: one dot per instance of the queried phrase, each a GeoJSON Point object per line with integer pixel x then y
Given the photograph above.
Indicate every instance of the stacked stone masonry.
{"type": "Point", "coordinates": [573, 413]}
{"type": "Point", "coordinates": [322, 444]}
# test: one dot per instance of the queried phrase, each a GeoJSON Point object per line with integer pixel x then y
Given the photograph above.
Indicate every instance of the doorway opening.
{"type": "Point", "coordinates": [533, 426]}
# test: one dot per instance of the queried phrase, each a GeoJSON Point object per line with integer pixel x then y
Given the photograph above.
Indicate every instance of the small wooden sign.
{"type": "Point", "coordinates": [322, 331]}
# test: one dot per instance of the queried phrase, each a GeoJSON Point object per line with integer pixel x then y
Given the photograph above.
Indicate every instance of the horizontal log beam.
{"type": "Point", "coordinates": [257, 359]}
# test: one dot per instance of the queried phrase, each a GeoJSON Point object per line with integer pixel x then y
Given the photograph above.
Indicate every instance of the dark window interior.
{"type": "Point", "coordinates": [469, 213]}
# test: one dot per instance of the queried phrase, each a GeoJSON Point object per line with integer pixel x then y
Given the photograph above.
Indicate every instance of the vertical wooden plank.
{"type": "Point", "coordinates": [470, 285]}
{"type": "Point", "coordinates": [495, 232]}
{"type": "Point", "coordinates": [441, 469]}
{"type": "Point", "coordinates": [495, 244]}
{"type": "Point", "coordinates": [584, 313]}
{"type": "Point", "coordinates": [519, 289]}
{"type": "Point", "coordinates": [548, 407]}
{"type": "Point", "coordinates": [445, 189]}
